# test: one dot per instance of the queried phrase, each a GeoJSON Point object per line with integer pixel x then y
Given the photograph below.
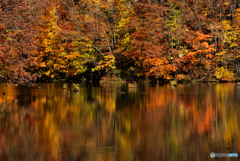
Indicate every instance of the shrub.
{"type": "Point", "coordinates": [224, 74]}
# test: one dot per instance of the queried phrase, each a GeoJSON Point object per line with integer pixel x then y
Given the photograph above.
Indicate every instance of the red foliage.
{"type": "Point", "coordinates": [188, 58]}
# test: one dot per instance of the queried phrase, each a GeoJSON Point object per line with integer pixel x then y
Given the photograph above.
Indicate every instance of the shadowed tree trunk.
{"type": "Point", "coordinates": [237, 66]}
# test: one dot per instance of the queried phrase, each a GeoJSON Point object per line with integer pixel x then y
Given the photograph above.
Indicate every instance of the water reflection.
{"type": "Point", "coordinates": [114, 122]}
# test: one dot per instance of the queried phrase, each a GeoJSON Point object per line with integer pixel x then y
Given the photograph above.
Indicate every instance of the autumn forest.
{"type": "Point", "coordinates": [134, 40]}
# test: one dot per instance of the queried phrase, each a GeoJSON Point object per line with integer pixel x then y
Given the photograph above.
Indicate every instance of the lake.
{"type": "Point", "coordinates": [115, 123]}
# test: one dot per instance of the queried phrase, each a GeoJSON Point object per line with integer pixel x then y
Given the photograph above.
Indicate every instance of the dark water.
{"type": "Point", "coordinates": [101, 124]}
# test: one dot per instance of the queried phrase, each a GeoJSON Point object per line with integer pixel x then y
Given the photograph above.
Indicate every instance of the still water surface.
{"type": "Point", "coordinates": [102, 124]}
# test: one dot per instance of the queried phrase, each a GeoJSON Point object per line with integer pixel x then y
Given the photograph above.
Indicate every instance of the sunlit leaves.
{"type": "Point", "coordinates": [108, 63]}
{"type": "Point", "coordinates": [224, 75]}
{"type": "Point", "coordinates": [229, 33]}
{"type": "Point", "coordinates": [143, 38]}
{"type": "Point", "coordinates": [58, 52]}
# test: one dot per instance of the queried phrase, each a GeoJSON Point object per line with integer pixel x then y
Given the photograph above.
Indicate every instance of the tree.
{"type": "Point", "coordinates": [60, 53]}
{"type": "Point", "coordinates": [18, 27]}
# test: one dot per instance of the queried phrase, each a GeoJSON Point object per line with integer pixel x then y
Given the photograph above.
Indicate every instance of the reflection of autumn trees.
{"type": "Point", "coordinates": [107, 98]}
{"type": "Point", "coordinates": [228, 112]}
{"type": "Point", "coordinates": [157, 97]}
{"type": "Point", "coordinates": [201, 108]}
{"type": "Point", "coordinates": [9, 97]}
{"type": "Point", "coordinates": [100, 123]}
{"type": "Point", "coordinates": [172, 126]}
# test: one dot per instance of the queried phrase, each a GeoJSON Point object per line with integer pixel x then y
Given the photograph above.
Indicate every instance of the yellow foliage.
{"type": "Point", "coordinates": [47, 73]}
{"type": "Point", "coordinates": [108, 63]}
{"type": "Point", "coordinates": [229, 32]}
{"type": "Point", "coordinates": [42, 64]}
{"type": "Point", "coordinates": [226, 3]}
{"type": "Point", "coordinates": [126, 39]}
{"type": "Point", "coordinates": [180, 77]}
{"type": "Point", "coordinates": [183, 52]}
{"type": "Point", "coordinates": [224, 75]}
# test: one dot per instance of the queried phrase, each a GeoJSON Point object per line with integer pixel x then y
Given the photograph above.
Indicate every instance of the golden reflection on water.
{"type": "Point", "coordinates": [114, 122]}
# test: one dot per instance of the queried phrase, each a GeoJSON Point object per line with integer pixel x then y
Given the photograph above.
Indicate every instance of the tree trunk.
{"type": "Point", "coordinates": [237, 66]}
